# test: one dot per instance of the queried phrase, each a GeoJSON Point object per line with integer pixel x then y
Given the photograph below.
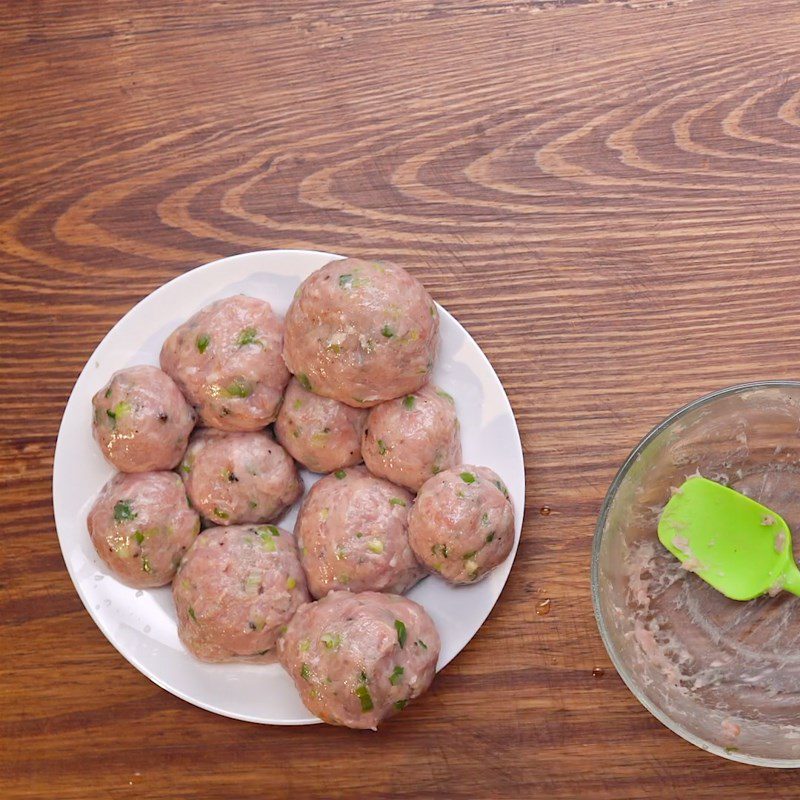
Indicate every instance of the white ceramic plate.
{"type": "Point", "coordinates": [141, 624]}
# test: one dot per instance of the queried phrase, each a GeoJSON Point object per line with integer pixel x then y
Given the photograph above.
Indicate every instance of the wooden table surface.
{"type": "Point", "coordinates": [604, 194]}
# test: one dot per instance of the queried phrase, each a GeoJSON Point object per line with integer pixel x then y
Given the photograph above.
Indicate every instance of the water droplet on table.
{"type": "Point", "coordinates": [543, 608]}
{"type": "Point", "coordinates": [598, 672]}
{"type": "Point", "coordinates": [545, 511]}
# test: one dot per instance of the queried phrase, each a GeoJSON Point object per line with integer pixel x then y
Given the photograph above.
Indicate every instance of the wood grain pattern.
{"type": "Point", "coordinates": [605, 194]}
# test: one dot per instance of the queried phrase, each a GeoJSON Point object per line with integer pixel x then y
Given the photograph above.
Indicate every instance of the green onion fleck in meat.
{"type": "Point", "coordinates": [396, 676]}
{"type": "Point", "coordinates": [331, 640]}
{"type": "Point", "coordinates": [239, 388]}
{"type": "Point", "coordinates": [401, 632]}
{"type": "Point", "coordinates": [364, 696]}
{"type": "Point", "coordinates": [248, 336]}
{"type": "Point", "coordinates": [123, 511]}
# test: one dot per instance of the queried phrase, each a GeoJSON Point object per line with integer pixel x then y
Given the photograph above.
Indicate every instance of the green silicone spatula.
{"type": "Point", "coordinates": [740, 547]}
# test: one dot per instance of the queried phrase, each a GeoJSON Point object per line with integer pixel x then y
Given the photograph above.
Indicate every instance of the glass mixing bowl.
{"type": "Point", "coordinates": [725, 675]}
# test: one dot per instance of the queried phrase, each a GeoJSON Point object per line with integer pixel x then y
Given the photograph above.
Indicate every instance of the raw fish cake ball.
{"type": "Point", "coordinates": [361, 332]}
{"type": "Point", "coordinates": [141, 525]}
{"type": "Point", "coordinates": [322, 434]}
{"type": "Point", "coordinates": [227, 361]}
{"type": "Point", "coordinates": [233, 478]}
{"type": "Point", "coordinates": [356, 659]}
{"type": "Point", "coordinates": [236, 590]}
{"type": "Point", "coordinates": [141, 420]}
{"type": "Point", "coordinates": [352, 530]}
{"type": "Point", "coordinates": [408, 439]}
{"type": "Point", "coordinates": [462, 523]}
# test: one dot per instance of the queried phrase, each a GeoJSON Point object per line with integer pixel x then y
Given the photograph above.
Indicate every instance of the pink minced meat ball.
{"type": "Point", "coordinates": [356, 659]}
{"type": "Point", "coordinates": [235, 591]}
{"type": "Point", "coordinates": [322, 434]}
{"type": "Point", "coordinates": [232, 478]}
{"type": "Point", "coordinates": [141, 420]}
{"type": "Point", "coordinates": [352, 534]}
{"type": "Point", "coordinates": [141, 525]}
{"type": "Point", "coordinates": [361, 332]}
{"type": "Point", "coordinates": [462, 523]}
{"type": "Point", "coordinates": [408, 439]}
{"type": "Point", "coordinates": [227, 361]}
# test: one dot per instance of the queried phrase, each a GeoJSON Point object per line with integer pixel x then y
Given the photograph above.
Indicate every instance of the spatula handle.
{"type": "Point", "coordinates": [791, 578]}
